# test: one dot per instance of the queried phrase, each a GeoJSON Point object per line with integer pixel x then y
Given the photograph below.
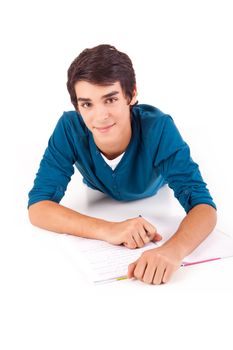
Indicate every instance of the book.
{"type": "Point", "coordinates": [102, 262]}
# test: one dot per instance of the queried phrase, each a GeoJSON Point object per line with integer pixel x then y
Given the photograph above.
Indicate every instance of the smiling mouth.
{"type": "Point", "coordinates": [104, 128]}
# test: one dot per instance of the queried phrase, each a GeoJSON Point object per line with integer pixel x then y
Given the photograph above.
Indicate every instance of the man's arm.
{"type": "Point", "coordinates": [57, 218]}
{"type": "Point", "coordinates": [194, 228]}
{"type": "Point", "coordinates": [157, 265]}
{"type": "Point", "coordinates": [54, 217]}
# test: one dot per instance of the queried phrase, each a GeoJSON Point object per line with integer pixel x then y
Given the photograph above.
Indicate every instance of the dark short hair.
{"type": "Point", "coordinates": [102, 65]}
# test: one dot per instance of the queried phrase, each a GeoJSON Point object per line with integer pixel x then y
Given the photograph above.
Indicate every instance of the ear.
{"type": "Point", "coordinates": [134, 98]}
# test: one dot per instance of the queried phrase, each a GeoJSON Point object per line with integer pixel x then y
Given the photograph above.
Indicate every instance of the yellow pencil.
{"type": "Point", "coordinates": [121, 278]}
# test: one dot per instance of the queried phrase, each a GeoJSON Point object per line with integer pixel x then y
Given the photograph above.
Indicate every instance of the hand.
{"type": "Point", "coordinates": [155, 266]}
{"type": "Point", "coordinates": [132, 233]}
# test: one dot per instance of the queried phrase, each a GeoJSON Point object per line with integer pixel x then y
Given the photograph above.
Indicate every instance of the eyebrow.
{"type": "Point", "coordinates": [110, 94]}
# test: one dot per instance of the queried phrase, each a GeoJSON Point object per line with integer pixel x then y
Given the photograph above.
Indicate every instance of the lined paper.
{"type": "Point", "coordinates": [103, 262]}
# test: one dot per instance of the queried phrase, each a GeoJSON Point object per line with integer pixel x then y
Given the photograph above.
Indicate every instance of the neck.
{"type": "Point", "coordinates": [113, 155]}
{"type": "Point", "coordinates": [114, 149]}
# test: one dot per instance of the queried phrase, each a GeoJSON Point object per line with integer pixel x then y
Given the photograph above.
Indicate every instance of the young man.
{"type": "Point", "coordinates": [127, 151]}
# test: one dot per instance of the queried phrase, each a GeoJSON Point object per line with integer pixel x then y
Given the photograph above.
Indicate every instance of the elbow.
{"type": "Point", "coordinates": [212, 213]}
{"type": "Point", "coordinates": [212, 216]}
{"type": "Point", "coordinates": [208, 213]}
{"type": "Point", "coordinates": [40, 213]}
{"type": "Point", "coordinates": [36, 212]}
{"type": "Point", "coordinates": [32, 214]}
{"type": "Point", "coordinates": [215, 215]}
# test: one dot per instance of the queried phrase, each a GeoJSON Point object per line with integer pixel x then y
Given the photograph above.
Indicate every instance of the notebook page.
{"type": "Point", "coordinates": [217, 245]}
{"type": "Point", "coordinates": [100, 260]}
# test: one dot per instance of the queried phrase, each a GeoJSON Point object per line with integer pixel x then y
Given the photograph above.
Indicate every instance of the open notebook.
{"type": "Point", "coordinates": [102, 262]}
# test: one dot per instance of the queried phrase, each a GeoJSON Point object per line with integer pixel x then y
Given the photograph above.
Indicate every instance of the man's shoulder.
{"type": "Point", "coordinates": [151, 115]}
{"type": "Point", "coordinates": [73, 121]}
{"type": "Point", "coordinates": [69, 116]}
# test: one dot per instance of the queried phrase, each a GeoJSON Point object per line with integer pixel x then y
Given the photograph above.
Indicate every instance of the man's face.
{"type": "Point", "coordinates": [105, 111]}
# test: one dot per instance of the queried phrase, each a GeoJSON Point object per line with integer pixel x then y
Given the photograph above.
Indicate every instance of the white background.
{"type": "Point", "coordinates": [182, 55]}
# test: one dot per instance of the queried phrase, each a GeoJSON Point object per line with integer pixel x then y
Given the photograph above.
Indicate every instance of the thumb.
{"type": "Point", "coordinates": [157, 237]}
{"type": "Point", "coordinates": [131, 268]}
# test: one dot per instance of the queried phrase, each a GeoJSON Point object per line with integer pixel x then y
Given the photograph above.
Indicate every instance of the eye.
{"type": "Point", "coordinates": [111, 100]}
{"type": "Point", "coordinates": [86, 104]}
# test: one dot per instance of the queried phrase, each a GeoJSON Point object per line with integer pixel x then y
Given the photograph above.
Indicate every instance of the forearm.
{"type": "Point", "coordinates": [57, 218]}
{"type": "Point", "coordinates": [194, 228]}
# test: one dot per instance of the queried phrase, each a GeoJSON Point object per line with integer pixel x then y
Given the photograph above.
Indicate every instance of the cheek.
{"type": "Point", "coordinates": [123, 115]}
{"type": "Point", "coordinates": [87, 120]}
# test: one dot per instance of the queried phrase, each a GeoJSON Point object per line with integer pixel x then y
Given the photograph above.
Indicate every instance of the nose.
{"type": "Point", "coordinates": [101, 113]}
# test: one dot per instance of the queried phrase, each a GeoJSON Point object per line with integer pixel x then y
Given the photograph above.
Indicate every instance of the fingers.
{"type": "Point", "coordinates": [141, 237]}
{"type": "Point", "coordinates": [131, 268]}
{"type": "Point", "coordinates": [167, 274]}
{"type": "Point", "coordinates": [151, 231]}
{"type": "Point", "coordinates": [137, 239]}
{"type": "Point", "coordinates": [158, 274]}
{"type": "Point", "coordinates": [152, 270]}
{"type": "Point", "coordinates": [130, 243]}
{"type": "Point", "coordinates": [148, 273]}
{"type": "Point", "coordinates": [141, 233]}
{"type": "Point", "coordinates": [157, 237]}
{"type": "Point", "coordinates": [149, 228]}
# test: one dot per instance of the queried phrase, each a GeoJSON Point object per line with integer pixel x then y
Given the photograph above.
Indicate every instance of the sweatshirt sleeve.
{"type": "Point", "coordinates": [179, 170]}
{"type": "Point", "coordinates": [56, 166]}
